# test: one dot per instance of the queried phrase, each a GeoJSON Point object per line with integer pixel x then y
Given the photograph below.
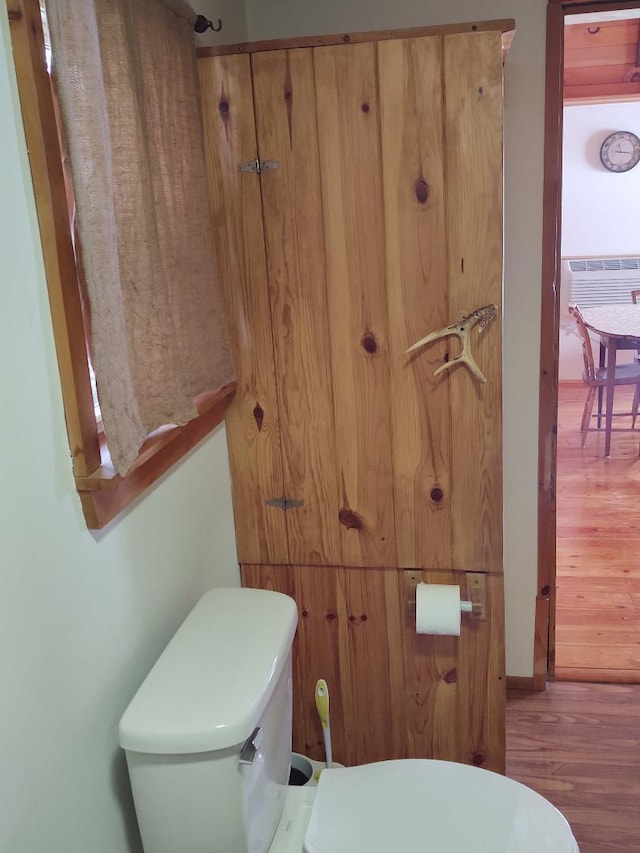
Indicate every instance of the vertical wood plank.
{"type": "Point", "coordinates": [414, 196]}
{"type": "Point", "coordinates": [348, 115]}
{"type": "Point", "coordinates": [285, 105]}
{"type": "Point", "coordinates": [473, 138]}
{"type": "Point", "coordinates": [400, 663]}
{"type": "Point", "coordinates": [454, 687]}
{"type": "Point", "coordinates": [365, 642]}
{"type": "Point", "coordinates": [316, 653]}
{"type": "Point", "coordinates": [321, 656]}
{"type": "Point", "coordinates": [430, 689]}
{"type": "Point", "coordinates": [253, 431]}
{"type": "Point", "coordinates": [544, 640]}
{"type": "Point", "coordinates": [482, 684]}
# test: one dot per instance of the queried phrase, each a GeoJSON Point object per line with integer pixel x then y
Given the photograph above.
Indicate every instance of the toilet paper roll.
{"type": "Point", "coordinates": [438, 609]}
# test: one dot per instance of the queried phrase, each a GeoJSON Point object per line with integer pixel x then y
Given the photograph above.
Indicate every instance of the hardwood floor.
{"type": "Point", "coordinates": [579, 746]}
{"type": "Point", "coordinates": [598, 548]}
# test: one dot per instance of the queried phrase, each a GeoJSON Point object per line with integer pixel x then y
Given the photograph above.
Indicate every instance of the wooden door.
{"type": "Point", "coordinates": [381, 223]}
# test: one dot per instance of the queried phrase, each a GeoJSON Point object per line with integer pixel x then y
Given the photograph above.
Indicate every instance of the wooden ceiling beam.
{"type": "Point", "coordinates": [601, 62]}
{"type": "Point", "coordinates": [599, 94]}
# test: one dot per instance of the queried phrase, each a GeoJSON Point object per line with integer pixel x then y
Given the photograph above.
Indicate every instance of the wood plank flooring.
{"type": "Point", "coordinates": [597, 634]}
{"type": "Point", "coordinates": [579, 746]}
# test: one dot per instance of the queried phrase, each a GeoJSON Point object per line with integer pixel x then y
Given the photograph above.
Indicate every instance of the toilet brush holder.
{"type": "Point", "coordinates": [305, 771]}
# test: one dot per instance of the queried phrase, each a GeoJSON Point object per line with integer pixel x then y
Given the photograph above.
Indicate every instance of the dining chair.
{"type": "Point", "coordinates": [596, 378]}
{"type": "Point", "coordinates": [634, 298]}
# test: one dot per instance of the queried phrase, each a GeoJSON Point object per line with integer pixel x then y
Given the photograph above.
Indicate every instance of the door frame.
{"type": "Point", "coordinates": [544, 632]}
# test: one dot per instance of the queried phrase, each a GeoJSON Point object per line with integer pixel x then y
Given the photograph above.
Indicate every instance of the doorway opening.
{"type": "Point", "coordinates": [588, 608]}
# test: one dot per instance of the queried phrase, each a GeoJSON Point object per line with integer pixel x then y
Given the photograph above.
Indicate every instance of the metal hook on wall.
{"type": "Point", "coordinates": [203, 24]}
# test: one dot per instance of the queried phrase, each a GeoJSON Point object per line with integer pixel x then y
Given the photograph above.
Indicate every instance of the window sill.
{"type": "Point", "coordinates": [104, 493]}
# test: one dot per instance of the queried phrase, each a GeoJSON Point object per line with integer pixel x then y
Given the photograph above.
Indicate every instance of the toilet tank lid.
{"type": "Point", "coordinates": [210, 685]}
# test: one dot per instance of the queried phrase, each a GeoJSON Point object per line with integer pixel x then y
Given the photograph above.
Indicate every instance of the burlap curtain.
{"type": "Point", "coordinates": [127, 83]}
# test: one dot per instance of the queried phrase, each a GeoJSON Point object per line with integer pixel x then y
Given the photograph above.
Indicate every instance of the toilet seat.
{"type": "Point", "coordinates": [439, 806]}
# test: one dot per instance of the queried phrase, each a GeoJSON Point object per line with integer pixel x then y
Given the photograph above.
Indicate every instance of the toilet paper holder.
{"type": "Point", "coordinates": [476, 593]}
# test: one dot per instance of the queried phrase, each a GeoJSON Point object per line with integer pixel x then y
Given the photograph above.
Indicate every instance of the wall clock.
{"type": "Point", "coordinates": [620, 151]}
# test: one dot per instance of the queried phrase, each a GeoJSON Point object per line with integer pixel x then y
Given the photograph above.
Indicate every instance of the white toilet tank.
{"type": "Point", "coordinates": [208, 734]}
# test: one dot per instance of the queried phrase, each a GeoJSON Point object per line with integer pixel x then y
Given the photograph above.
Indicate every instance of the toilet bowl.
{"type": "Point", "coordinates": [208, 744]}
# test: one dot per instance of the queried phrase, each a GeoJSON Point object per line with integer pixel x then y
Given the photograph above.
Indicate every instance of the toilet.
{"type": "Point", "coordinates": [207, 739]}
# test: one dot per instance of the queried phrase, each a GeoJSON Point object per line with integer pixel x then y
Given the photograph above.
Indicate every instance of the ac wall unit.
{"type": "Point", "coordinates": [599, 281]}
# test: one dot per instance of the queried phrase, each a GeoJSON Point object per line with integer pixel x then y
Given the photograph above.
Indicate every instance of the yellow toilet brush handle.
{"type": "Point", "coordinates": [322, 705]}
{"type": "Point", "coordinates": [322, 702]}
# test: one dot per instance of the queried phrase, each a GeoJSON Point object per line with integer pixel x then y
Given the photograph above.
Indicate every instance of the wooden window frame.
{"type": "Point", "coordinates": [103, 492]}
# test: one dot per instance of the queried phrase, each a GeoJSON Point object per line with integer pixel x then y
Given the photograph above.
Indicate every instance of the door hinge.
{"type": "Point", "coordinates": [284, 503]}
{"type": "Point", "coordinates": [258, 166]}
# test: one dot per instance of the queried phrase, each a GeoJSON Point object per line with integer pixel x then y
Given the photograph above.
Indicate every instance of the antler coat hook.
{"type": "Point", "coordinates": [462, 330]}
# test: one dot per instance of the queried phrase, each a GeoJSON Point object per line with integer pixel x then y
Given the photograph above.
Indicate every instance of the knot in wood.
{"type": "Point", "coordinates": [421, 188]}
{"type": "Point", "coordinates": [478, 759]}
{"type": "Point", "coordinates": [451, 676]}
{"type": "Point", "coordinates": [258, 414]}
{"type": "Point", "coordinates": [350, 519]}
{"type": "Point", "coordinates": [437, 494]}
{"type": "Point", "coordinates": [369, 343]}
{"type": "Point", "coordinates": [357, 619]}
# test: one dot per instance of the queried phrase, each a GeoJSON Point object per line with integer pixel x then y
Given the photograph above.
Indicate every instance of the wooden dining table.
{"type": "Point", "coordinates": [619, 329]}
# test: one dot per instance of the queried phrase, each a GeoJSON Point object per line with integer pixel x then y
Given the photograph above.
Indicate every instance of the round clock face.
{"type": "Point", "coordinates": [620, 151]}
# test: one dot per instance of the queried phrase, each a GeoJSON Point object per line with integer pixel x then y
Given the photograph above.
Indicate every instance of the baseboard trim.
{"type": "Point", "coordinates": [596, 676]}
{"type": "Point", "coordinates": [524, 682]}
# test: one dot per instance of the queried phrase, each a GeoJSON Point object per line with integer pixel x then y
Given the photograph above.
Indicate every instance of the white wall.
{"type": "Point", "coordinates": [524, 105]}
{"type": "Point", "coordinates": [599, 208]}
{"type": "Point", "coordinates": [82, 616]}
{"type": "Point", "coordinates": [233, 17]}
